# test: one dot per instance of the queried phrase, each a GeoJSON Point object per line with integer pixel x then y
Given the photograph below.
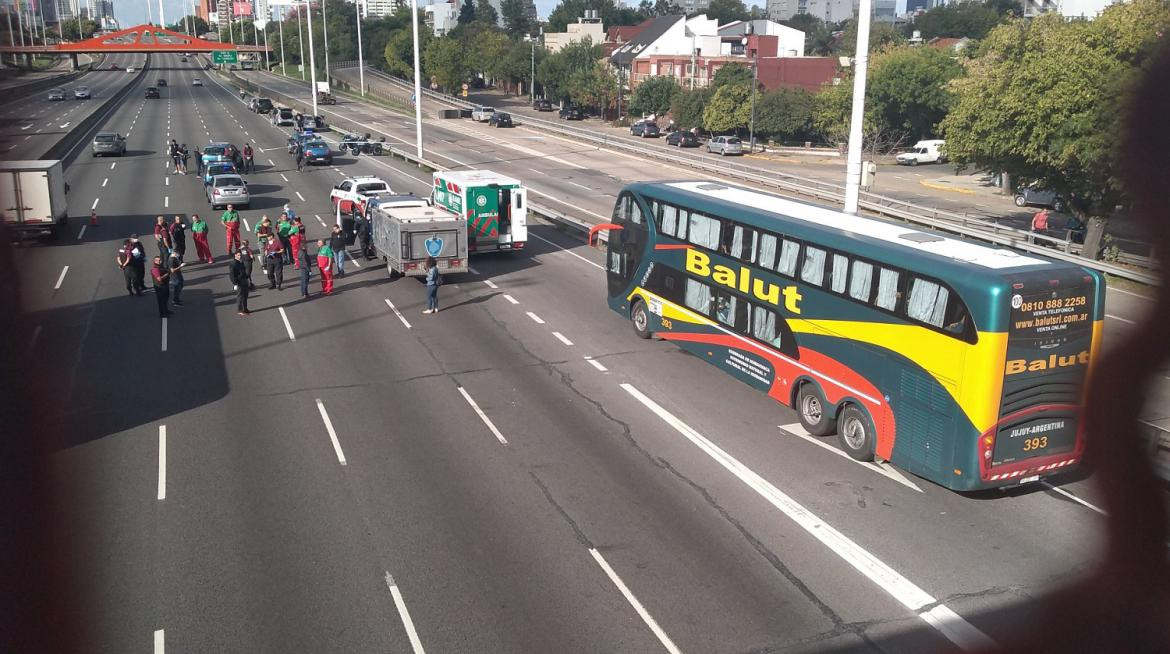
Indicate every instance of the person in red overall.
{"type": "Point", "coordinates": [199, 233]}
{"type": "Point", "coordinates": [231, 222]}
{"type": "Point", "coordinates": [296, 235]}
{"type": "Point", "coordinates": [325, 263]}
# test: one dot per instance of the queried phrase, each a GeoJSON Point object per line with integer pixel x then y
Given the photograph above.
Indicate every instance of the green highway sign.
{"type": "Point", "coordinates": [225, 57]}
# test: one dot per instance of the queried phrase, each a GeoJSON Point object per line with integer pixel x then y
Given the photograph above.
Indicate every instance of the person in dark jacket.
{"type": "Point", "coordinates": [175, 263]}
{"type": "Point", "coordinates": [161, 276]}
{"type": "Point", "coordinates": [305, 263]}
{"type": "Point", "coordinates": [274, 263]}
{"type": "Point", "coordinates": [239, 277]}
{"type": "Point", "coordinates": [179, 237]}
{"type": "Point", "coordinates": [138, 263]}
{"type": "Point", "coordinates": [249, 262]}
{"type": "Point", "coordinates": [125, 262]}
{"type": "Point", "coordinates": [162, 234]}
{"type": "Point", "coordinates": [433, 282]}
{"type": "Point", "coordinates": [337, 244]}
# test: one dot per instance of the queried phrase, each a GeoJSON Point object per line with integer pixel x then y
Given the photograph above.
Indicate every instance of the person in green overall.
{"type": "Point", "coordinates": [199, 233]}
{"type": "Point", "coordinates": [231, 221]}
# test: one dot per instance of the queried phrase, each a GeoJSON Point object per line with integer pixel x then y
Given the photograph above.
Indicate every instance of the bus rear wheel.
{"type": "Point", "coordinates": [856, 433]}
{"type": "Point", "coordinates": [810, 408]}
{"type": "Point", "coordinates": [641, 319]}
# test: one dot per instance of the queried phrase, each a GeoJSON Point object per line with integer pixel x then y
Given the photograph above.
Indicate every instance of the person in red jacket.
{"type": "Point", "coordinates": [325, 263]}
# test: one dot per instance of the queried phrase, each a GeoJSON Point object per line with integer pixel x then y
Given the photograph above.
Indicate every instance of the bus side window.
{"type": "Point", "coordinates": [704, 231]}
{"type": "Point", "coordinates": [789, 253]}
{"type": "Point", "coordinates": [887, 291]}
{"type": "Point", "coordinates": [861, 283]}
{"type": "Point", "coordinates": [840, 273]}
{"type": "Point", "coordinates": [927, 302]}
{"type": "Point", "coordinates": [813, 270]}
{"type": "Point", "coordinates": [698, 297]}
{"type": "Point", "coordinates": [767, 256]}
{"type": "Point", "coordinates": [731, 311]}
{"type": "Point", "coordinates": [764, 326]}
{"type": "Point", "coordinates": [669, 220]}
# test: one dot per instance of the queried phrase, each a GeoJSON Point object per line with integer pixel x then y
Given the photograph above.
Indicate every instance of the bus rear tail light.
{"type": "Point", "coordinates": [518, 245]}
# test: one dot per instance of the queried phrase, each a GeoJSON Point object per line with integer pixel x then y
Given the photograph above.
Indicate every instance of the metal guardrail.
{"type": "Point", "coordinates": [954, 222]}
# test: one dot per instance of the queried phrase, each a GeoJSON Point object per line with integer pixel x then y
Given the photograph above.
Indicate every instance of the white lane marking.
{"type": "Point", "coordinates": [164, 334]}
{"type": "Point", "coordinates": [167, 201]}
{"type": "Point", "coordinates": [490, 283]}
{"type": "Point", "coordinates": [561, 338]}
{"type": "Point", "coordinates": [247, 227]}
{"type": "Point", "coordinates": [397, 313]}
{"type": "Point", "coordinates": [162, 462]}
{"type": "Point", "coordinates": [1137, 295]}
{"type": "Point", "coordinates": [332, 433]}
{"type": "Point", "coordinates": [579, 185]}
{"type": "Point", "coordinates": [1120, 319]}
{"type": "Point", "coordinates": [81, 233]}
{"type": "Point", "coordinates": [641, 610]}
{"type": "Point", "coordinates": [511, 299]}
{"type": "Point", "coordinates": [483, 416]}
{"type": "Point", "coordinates": [272, 163]}
{"type": "Point", "coordinates": [159, 642]}
{"type": "Point", "coordinates": [955, 629]}
{"type": "Point", "coordinates": [320, 221]}
{"type": "Point", "coordinates": [61, 278]}
{"type": "Point", "coordinates": [105, 181]}
{"type": "Point", "coordinates": [94, 205]}
{"type": "Point", "coordinates": [407, 623]}
{"type": "Point", "coordinates": [355, 261]}
{"type": "Point", "coordinates": [283, 177]}
{"type": "Point", "coordinates": [166, 181]}
{"type": "Point", "coordinates": [253, 141]}
{"type": "Point", "coordinates": [300, 196]}
{"type": "Point", "coordinates": [1073, 497]}
{"type": "Point", "coordinates": [569, 252]}
{"type": "Point", "coordinates": [113, 164]}
{"type": "Point", "coordinates": [596, 364]}
{"type": "Point", "coordinates": [796, 429]}
{"type": "Point", "coordinates": [287, 326]}
{"type": "Point", "coordinates": [535, 318]}
{"type": "Point", "coordinates": [473, 271]}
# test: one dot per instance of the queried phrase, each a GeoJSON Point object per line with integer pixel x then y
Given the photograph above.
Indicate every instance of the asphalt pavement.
{"type": "Point", "coordinates": [517, 473]}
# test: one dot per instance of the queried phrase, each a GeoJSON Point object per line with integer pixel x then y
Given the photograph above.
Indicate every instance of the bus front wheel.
{"type": "Point", "coordinates": [856, 433]}
{"type": "Point", "coordinates": [641, 319]}
{"type": "Point", "coordinates": [814, 416]}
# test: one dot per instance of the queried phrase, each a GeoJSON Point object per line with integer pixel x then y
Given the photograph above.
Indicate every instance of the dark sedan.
{"type": "Point", "coordinates": [151, 93]}
{"type": "Point", "coordinates": [571, 113]}
{"type": "Point", "coordinates": [542, 105]}
{"type": "Point", "coordinates": [682, 139]}
{"type": "Point", "coordinates": [500, 119]}
{"type": "Point", "coordinates": [645, 129]}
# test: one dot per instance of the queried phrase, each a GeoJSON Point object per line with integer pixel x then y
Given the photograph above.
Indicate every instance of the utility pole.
{"type": "Point", "coordinates": [693, 71]}
{"type": "Point", "coordinates": [162, 19]}
{"type": "Point", "coordinates": [280, 28]}
{"type": "Point", "coordinates": [860, 65]}
{"type": "Point", "coordinates": [417, 82]}
{"type": "Point", "coordinates": [357, 7]}
{"type": "Point", "coordinates": [325, 26]}
{"type": "Point", "coordinates": [301, 41]}
{"type": "Point", "coordinates": [755, 84]}
{"type": "Point", "coordinates": [312, 59]}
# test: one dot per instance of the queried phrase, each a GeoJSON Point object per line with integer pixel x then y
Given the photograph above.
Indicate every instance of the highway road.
{"type": "Point", "coordinates": [29, 126]}
{"type": "Point", "coordinates": [517, 473]}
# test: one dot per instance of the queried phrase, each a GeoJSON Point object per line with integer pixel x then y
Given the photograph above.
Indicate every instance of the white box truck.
{"type": "Point", "coordinates": [32, 197]}
{"type": "Point", "coordinates": [407, 229]}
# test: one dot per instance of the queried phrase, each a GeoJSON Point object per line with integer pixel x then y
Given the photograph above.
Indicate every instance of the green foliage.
{"type": "Point", "coordinates": [687, 108]}
{"type": "Point", "coordinates": [568, 11]}
{"type": "Point", "coordinates": [1043, 100]}
{"type": "Point", "coordinates": [785, 114]}
{"type": "Point", "coordinates": [445, 63]}
{"type": "Point", "coordinates": [881, 35]}
{"type": "Point", "coordinates": [486, 14]}
{"type": "Point", "coordinates": [556, 71]}
{"type": "Point", "coordinates": [466, 13]}
{"type": "Point", "coordinates": [728, 109]}
{"type": "Point", "coordinates": [516, 20]}
{"type": "Point", "coordinates": [648, 9]}
{"type": "Point", "coordinates": [963, 19]}
{"type": "Point", "coordinates": [731, 74]}
{"type": "Point", "coordinates": [908, 92]}
{"type": "Point", "coordinates": [398, 52]}
{"type": "Point", "coordinates": [818, 38]}
{"type": "Point", "coordinates": [596, 86]}
{"type": "Point", "coordinates": [726, 11]}
{"type": "Point", "coordinates": [831, 111]}
{"type": "Point", "coordinates": [654, 95]}
{"type": "Point", "coordinates": [198, 24]}
{"type": "Point", "coordinates": [88, 27]}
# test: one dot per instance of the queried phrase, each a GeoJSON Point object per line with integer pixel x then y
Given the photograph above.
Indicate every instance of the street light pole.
{"type": "Point", "coordinates": [755, 84]}
{"type": "Point", "coordinates": [417, 82]}
{"type": "Point", "coordinates": [301, 41]}
{"type": "Point", "coordinates": [312, 60]}
{"type": "Point", "coordinates": [861, 64]}
{"type": "Point", "coordinates": [162, 19]}
{"type": "Point", "coordinates": [325, 26]}
{"type": "Point", "coordinates": [357, 7]}
{"type": "Point", "coordinates": [280, 28]}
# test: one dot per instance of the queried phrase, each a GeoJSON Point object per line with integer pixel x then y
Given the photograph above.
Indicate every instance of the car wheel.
{"type": "Point", "coordinates": [913, 162]}
{"type": "Point", "coordinates": [1021, 201]}
{"type": "Point", "coordinates": [812, 411]}
{"type": "Point", "coordinates": [856, 433]}
{"type": "Point", "coordinates": [640, 317]}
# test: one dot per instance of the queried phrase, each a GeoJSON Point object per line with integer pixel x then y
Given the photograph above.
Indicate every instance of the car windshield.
{"type": "Point", "coordinates": [214, 150]}
{"type": "Point", "coordinates": [733, 140]}
{"type": "Point", "coordinates": [366, 188]}
{"type": "Point", "coordinates": [315, 144]}
{"type": "Point", "coordinates": [228, 181]}
{"type": "Point", "coordinates": [286, 113]}
{"type": "Point", "coordinates": [265, 102]}
{"type": "Point", "coordinates": [216, 169]}
{"type": "Point", "coordinates": [105, 138]}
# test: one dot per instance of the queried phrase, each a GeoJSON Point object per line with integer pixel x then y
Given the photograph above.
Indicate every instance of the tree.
{"type": "Point", "coordinates": [399, 50]}
{"type": "Point", "coordinates": [687, 108]}
{"type": "Point", "coordinates": [88, 27]}
{"type": "Point", "coordinates": [568, 11]}
{"type": "Point", "coordinates": [445, 63]}
{"type": "Point", "coordinates": [466, 13]}
{"type": "Point", "coordinates": [199, 25]}
{"type": "Point", "coordinates": [595, 87]}
{"type": "Point", "coordinates": [1020, 111]}
{"type": "Point", "coordinates": [785, 114]}
{"type": "Point", "coordinates": [486, 52]}
{"type": "Point", "coordinates": [729, 108]}
{"type": "Point", "coordinates": [654, 95]}
{"type": "Point", "coordinates": [962, 19]}
{"type": "Point", "coordinates": [485, 13]}
{"type": "Point", "coordinates": [881, 35]}
{"type": "Point", "coordinates": [735, 74]}
{"type": "Point", "coordinates": [516, 20]}
{"type": "Point", "coordinates": [726, 11]}
{"type": "Point", "coordinates": [818, 38]}
{"type": "Point", "coordinates": [908, 90]}
{"type": "Point", "coordinates": [555, 72]}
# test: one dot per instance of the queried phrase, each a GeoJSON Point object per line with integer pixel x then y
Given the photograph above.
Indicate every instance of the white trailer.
{"type": "Point", "coordinates": [32, 196]}
{"type": "Point", "coordinates": [407, 229]}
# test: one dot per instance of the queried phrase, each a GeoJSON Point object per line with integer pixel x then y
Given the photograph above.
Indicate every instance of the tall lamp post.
{"type": "Point", "coordinates": [853, 162]}
{"type": "Point", "coordinates": [752, 125]}
{"type": "Point", "coordinates": [417, 82]}
{"type": "Point", "coordinates": [325, 27]}
{"type": "Point", "coordinates": [301, 41]}
{"type": "Point", "coordinates": [357, 7]}
{"type": "Point", "coordinates": [312, 60]}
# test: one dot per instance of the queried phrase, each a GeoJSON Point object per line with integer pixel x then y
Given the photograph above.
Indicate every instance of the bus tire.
{"type": "Point", "coordinates": [641, 319]}
{"type": "Point", "coordinates": [856, 433]}
{"type": "Point", "coordinates": [814, 415]}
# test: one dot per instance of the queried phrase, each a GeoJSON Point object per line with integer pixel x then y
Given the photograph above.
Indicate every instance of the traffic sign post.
{"type": "Point", "coordinates": [225, 57]}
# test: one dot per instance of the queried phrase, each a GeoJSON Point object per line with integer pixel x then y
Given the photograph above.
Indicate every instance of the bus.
{"type": "Point", "coordinates": [960, 362]}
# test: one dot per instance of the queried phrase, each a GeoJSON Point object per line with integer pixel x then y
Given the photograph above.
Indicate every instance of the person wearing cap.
{"type": "Point", "coordinates": [240, 283]}
{"type": "Point", "coordinates": [305, 264]}
{"type": "Point", "coordinates": [274, 263]}
{"type": "Point", "coordinates": [138, 263]}
{"type": "Point", "coordinates": [161, 277]}
{"type": "Point", "coordinates": [325, 264]}
{"type": "Point", "coordinates": [199, 235]}
{"type": "Point", "coordinates": [179, 237]}
{"type": "Point", "coordinates": [231, 222]}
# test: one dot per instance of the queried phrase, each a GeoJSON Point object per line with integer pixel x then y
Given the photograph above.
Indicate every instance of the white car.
{"type": "Point", "coordinates": [923, 152]}
{"type": "Point", "coordinates": [129, 69]}
{"type": "Point", "coordinates": [198, 81]}
{"type": "Point", "coordinates": [56, 94]}
{"type": "Point", "coordinates": [482, 114]}
{"type": "Point", "coordinates": [351, 193]}
{"type": "Point", "coordinates": [81, 93]}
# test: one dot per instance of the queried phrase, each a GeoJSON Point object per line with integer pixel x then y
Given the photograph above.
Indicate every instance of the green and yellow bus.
{"type": "Point", "coordinates": [960, 362]}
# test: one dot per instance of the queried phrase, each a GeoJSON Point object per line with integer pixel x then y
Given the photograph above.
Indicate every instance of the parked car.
{"type": "Point", "coordinates": [129, 69]}
{"type": "Point", "coordinates": [262, 105]}
{"type": "Point", "coordinates": [228, 189]}
{"type": "Point", "coordinates": [56, 94]}
{"type": "Point", "coordinates": [500, 119]}
{"type": "Point", "coordinates": [213, 152]}
{"type": "Point", "coordinates": [317, 151]}
{"type": "Point", "coordinates": [571, 113]}
{"type": "Point", "coordinates": [151, 93]}
{"type": "Point", "coordinates": [683, 139]}
{"type": "Point", "coordinates": [542, 104]}
{"type": "Point", "coordinates": [645, 129]}
{"type": "Point", "coordinates": [107, 143]}
{"type": "Point", "coordinates": [215, 168]}
{"type": "Point", "coordinates": [325, 98]}
{"type": "Point", "coordinates": [482, 114]}
{"type": "Point", "coordinates": [283, 116]}
{"type": "Point", "coordinates": [161, 83]}
{"type": "Point", "coordinates": [1032, 196]}
{"type": "Point", "coordinates": [923, 152]}
{"type": "Point", "coordinates": [725, 145]}
{"type": "Point", "coordinates": [81, 93]}
{"type": "Point", "coordinates": [198, 81]}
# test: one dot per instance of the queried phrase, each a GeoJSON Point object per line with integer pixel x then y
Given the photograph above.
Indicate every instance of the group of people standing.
{"type": "Point", "coordinates": [166, 272]}
{"type": "Point", "coordinates": [284, 243]}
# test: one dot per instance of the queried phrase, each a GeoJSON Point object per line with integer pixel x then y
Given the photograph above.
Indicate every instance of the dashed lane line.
{"type": "Point", "coordinates": [404, 615]}
{"type": "Point", "coordinates": [287, 326]}
{"type": "Point", "coordinates": [332, 432]}
{"type": "Point", "coordinates": [535, 318]}
{"type": "Point", "coordinates": [490, 284]}
{"type": "Point", "coordinates": [511, 299]}
{"type": "Point", "coordinates": [61, 279]}
{"type": "Point", "coordinates": [561, 337]}
{"type": "Point", "coordinates": [162, 462]}
{"type": "Point", "coordinates": [483, 416]}
{"type": "Point", "coordinates": [596, 364]}
{"type": "Point", "coordinates": [397, 313]}
{"type": "Point", "coordinates": [641, 610]}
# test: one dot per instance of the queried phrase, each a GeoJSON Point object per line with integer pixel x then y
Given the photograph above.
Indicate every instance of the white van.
{"type": "Point", "coordinates": [924, 152]}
